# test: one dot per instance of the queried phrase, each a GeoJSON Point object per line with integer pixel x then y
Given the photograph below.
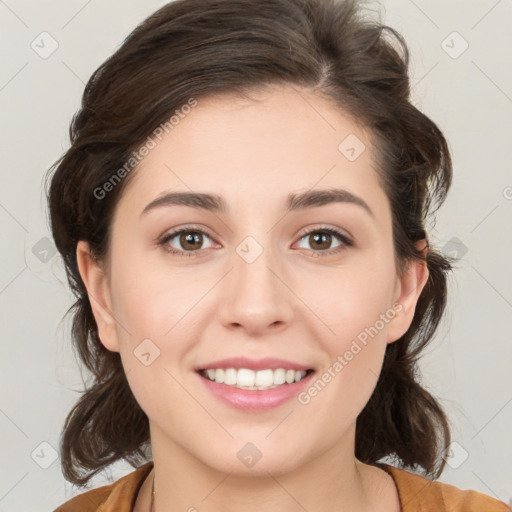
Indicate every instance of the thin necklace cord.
{"type": "Point", "coordinates": [152, 505]}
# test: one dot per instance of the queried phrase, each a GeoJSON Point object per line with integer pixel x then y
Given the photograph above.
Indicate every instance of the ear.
{"type": "Point", "coordinates": [98, 290]}
{"type": "Point", "coordinates": [407, 291]}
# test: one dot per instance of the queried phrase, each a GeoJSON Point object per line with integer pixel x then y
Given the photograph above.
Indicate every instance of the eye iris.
{"type": "Point", "coordinates": [190, 237]}
{"type": "Point", "coordinates": [323, 236]}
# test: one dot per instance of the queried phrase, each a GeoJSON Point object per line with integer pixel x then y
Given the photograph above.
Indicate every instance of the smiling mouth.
{"type": "Point", "coordinates": [245, 378]}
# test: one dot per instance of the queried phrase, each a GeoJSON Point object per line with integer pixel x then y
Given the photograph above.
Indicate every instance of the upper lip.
{"type": "Point", "coordinates": [254, 364]}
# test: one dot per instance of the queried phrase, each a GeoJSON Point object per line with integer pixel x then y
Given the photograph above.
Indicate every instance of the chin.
{"type": "Point", "coordinates": [255, 459]}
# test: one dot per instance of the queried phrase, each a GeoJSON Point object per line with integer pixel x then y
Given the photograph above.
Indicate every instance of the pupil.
{"type": "Point", "coordinates": [190, 238]}
{"type": "Point", "coordinates": [323, 236]}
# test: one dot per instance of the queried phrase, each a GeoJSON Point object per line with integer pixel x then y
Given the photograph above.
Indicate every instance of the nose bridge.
{"type": "Point", "coordinates": [256, 296]}
{"type": "Point", "coordinates": [252, 263]}
{"type": "Point", "coordinates": [252, 273]}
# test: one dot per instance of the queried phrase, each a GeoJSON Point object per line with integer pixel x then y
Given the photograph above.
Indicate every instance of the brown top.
{"type": "Point", "coordinates": [416, 493]}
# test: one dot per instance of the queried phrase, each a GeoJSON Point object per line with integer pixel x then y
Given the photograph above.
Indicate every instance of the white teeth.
{"type": "Point", "coordinates": [245, 377]}
{"type": "Point", "coordinates": [230, 376]}
{"type": "Point", "coordinates": [290, 376]}
{"type": "Point", "coordinates": [279, 376]}
{"type": "Point", "coordinates": [249, 379]}
{"type": "Point", "coordinates": [263, 378]}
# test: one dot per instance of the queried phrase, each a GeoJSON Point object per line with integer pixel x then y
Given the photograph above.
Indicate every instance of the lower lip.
{"type": "Point", "coordinates": [256, 399]}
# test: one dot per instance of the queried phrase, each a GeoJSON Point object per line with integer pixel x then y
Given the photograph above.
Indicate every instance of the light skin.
{"type": "Point", "coordinates": [290, 303]}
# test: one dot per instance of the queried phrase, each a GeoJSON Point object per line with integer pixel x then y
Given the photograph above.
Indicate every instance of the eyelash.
{"type": "Point", "coordinates": [346, 242]}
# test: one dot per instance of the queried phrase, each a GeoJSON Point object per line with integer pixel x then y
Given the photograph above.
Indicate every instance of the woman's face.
{"type": "Point", "coordinates": [261, 281]}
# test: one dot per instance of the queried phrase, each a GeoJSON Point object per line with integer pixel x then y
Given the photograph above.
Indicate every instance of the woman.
{"type": "Point", "coordinates": [242, 218]}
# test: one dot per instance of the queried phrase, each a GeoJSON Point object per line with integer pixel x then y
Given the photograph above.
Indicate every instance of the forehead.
{"type": "Point", "coordinates": [279, 141]}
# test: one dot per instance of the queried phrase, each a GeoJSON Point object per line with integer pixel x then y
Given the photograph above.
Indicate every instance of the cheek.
{"type": "Point", "coordinates": [154, 308]}
{"type": "Point", "coordinates": [342, 388]}
{"type": "Point", "coordinates": [350, 299]}
{"type": "Point", "coordinates": [357, 310]}
{"type": "Point", "coordinates": [148, 301]}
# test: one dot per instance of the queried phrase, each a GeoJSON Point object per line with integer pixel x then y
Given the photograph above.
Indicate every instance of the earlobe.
{"type": "Point", "coordinates": [407, 292]}
{"type": "Point", "coordinates": [98, 291]}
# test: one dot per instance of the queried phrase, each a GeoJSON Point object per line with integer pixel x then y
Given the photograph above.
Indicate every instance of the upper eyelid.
{"type": "Point", "coordinates": [339, 231]}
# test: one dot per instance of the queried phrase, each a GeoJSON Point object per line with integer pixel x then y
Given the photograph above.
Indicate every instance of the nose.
{"type": "Point", "coordinates": [256, 296]}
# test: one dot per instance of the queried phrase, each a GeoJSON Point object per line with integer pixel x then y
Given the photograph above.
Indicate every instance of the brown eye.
{"type": "Point", "coordinates": [185, 242]}
{"type": "Point", "coordinates": [190, 240]}
{"type": "Point", "coordinates": [320, 240]}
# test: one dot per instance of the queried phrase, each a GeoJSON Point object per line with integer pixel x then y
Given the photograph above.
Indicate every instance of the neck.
{"type": "Point", "coordinates": [332, 481]}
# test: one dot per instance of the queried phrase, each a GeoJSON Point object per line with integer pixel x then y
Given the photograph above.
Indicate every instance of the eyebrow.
{"type": "Point", "coordinates": [300, 201]}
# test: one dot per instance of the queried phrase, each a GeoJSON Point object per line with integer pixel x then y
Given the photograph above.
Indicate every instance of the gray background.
{"type": "Point", "coordinates": [467, 93]}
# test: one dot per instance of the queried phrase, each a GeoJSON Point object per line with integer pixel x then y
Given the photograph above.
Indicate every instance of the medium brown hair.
{"type": "Point", "coordinates": [196, 48]}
